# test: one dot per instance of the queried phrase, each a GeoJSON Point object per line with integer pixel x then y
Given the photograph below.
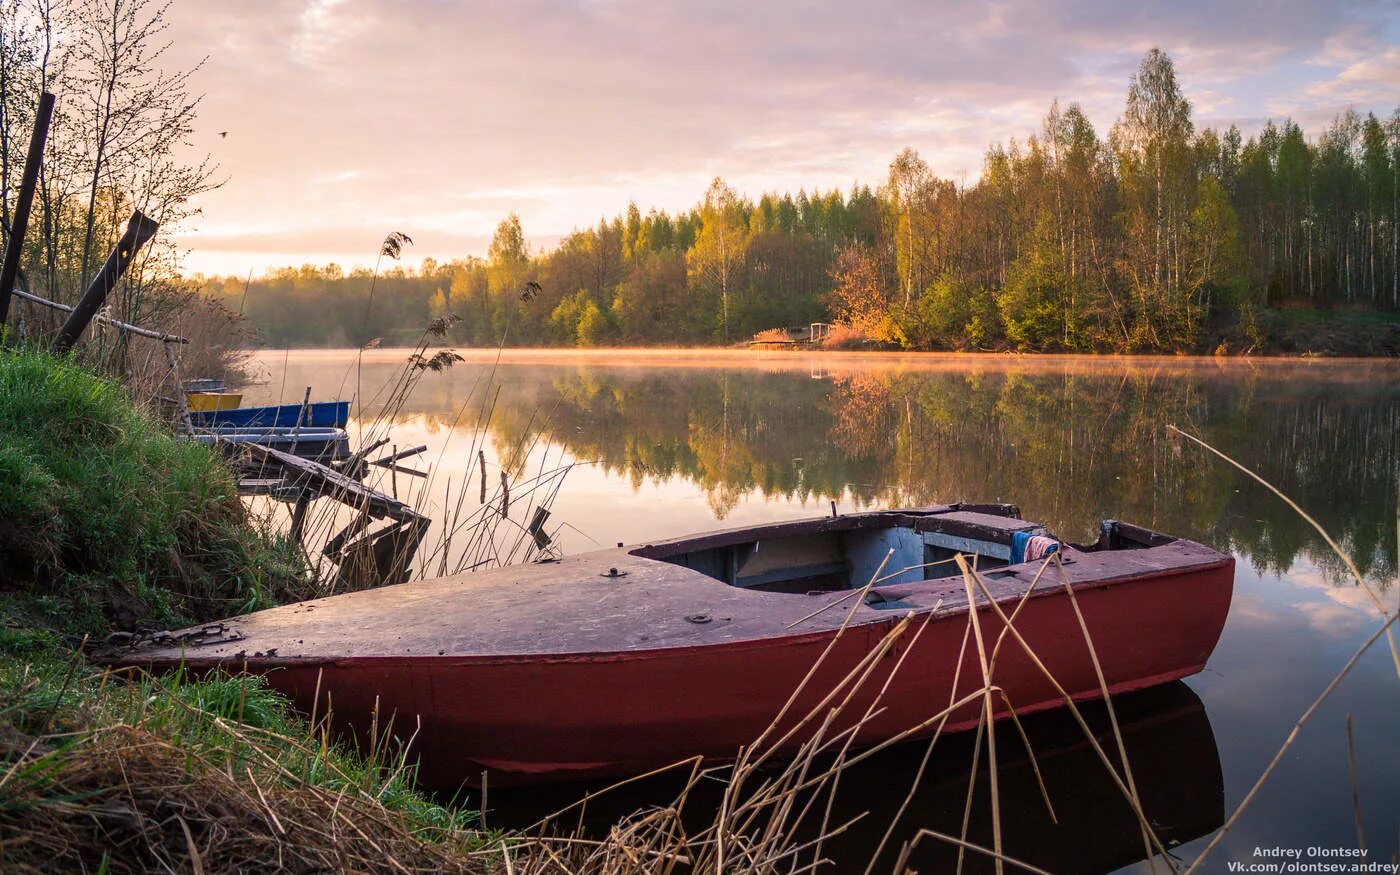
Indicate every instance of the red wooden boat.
{"type": "Point", "coordinates": [619, 661]}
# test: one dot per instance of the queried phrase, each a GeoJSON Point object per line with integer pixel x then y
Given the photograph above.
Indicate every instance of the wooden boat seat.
{"type": "Point", "coordinates": [904, 549]}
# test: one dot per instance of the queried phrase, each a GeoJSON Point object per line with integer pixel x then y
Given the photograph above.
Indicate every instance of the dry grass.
{"type": "Point", "coordinates": [127, 799]}
{"type": "Point", "coordinates": [212, 776]}
{"type": "Point", "coordinates": [488, 517]}
{"type": "Point", "coordinates": [845, 337]}
{"type": "Point", "coordinates": [772, 335]}
{"type": "Point", "coordinates": [776, 819]}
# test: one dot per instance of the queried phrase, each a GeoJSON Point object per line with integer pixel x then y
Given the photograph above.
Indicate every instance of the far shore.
{"type": "Point", "coordinates": [803, 358]}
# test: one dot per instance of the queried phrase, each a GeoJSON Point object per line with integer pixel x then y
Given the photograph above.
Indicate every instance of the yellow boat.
{"type": "Point", "coordinates": [203, 402]}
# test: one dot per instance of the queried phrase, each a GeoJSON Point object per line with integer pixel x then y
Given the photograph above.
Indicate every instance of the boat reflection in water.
{"type": "Point", "coordinates": [1166, 733]}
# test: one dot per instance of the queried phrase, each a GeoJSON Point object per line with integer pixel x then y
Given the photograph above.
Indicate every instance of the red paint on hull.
{"type": "Point", "coordinates": [554, 717]}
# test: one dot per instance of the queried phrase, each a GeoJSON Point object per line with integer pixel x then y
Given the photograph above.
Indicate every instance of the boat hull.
{"type": "Point", "coordinates": [528, 719]}
{"type": "Point", "coordinates": [321, 414]}
{"type": "Point", "coordinates": [318, 444]}
{"type": "Point", "coordinates": [204, 402]}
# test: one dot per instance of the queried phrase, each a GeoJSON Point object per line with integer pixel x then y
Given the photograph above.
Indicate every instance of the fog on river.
{"type": "Point", "coordinates": [632, 445]}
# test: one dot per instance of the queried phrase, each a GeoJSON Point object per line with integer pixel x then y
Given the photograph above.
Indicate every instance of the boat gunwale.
{"type": "Point", "coordinates": [1211, 560]}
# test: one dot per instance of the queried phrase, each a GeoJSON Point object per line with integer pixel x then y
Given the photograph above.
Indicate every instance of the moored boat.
{"type": "Point", "coordinates": [208, 402]}
{"type": "Point", "coordinates": [318, 414]}
{"type": "Point", "coordinates": [319, 444]}
{"type": "Point", "coordinates": [623, 660]}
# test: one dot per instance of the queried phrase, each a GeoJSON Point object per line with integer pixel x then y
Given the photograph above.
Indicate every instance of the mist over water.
{"type": "Point", "coordinates": [673, 442]}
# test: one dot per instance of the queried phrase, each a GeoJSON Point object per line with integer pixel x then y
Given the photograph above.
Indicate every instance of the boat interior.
{"type": "Point", "coordinates": [846, 552]}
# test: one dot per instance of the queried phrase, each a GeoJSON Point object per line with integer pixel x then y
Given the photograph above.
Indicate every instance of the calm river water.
{"type": "Point", "coordinates": [662, 443]}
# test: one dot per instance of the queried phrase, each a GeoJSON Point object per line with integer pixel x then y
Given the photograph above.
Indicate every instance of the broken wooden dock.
{"type": "Point", "coordinates": [381, 554]}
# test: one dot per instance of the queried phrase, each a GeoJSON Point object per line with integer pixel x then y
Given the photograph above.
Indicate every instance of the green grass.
{"type": "Point", "coordinates": [85, 755]}
{"type": "Point", "coordinates": [107, 520]}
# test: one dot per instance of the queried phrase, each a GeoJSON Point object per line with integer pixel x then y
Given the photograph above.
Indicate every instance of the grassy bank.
{"type": "Point", "coordinates": [107, 521]}
{"type": "Point", "coordinates": [1330, 332]}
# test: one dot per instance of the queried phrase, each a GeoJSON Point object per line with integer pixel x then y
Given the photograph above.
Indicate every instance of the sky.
{"type": "Point", "coordinates": [334, 122]}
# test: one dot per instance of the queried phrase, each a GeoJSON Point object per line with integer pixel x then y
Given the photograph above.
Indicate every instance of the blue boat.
{"type": "Point", "coordinates": [323, 445]}
{"type": "Point", "coordinates": [320, 414]}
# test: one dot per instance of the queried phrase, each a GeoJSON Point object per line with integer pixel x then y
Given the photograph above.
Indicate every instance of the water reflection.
{"type": "Point", "coordinates": [679, 441]}
{"type": "Point", "coordinates": [1071, 442]}
{"type": "Point", "coordinates": [1165, 731]}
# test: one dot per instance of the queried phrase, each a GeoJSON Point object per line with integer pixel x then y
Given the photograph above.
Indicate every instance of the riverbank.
{"type": "Point", "coordinates": [107, 522]}
{"type": "Point", "coordinates": [1279, 334]}
{"type": "Point", "coordinates": [266, 363]}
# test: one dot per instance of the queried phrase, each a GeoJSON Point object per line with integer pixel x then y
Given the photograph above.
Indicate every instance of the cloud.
{"type": "Point", "coordinates": [1367, 81]}
{"type": "Point", "coordinates": [578, 106]}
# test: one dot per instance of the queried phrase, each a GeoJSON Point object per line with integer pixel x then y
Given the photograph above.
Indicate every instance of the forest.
{"type": "Point", "coordinates": [1156, 237]}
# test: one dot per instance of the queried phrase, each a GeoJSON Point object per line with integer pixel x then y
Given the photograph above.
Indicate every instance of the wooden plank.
{"type": "Point", "coordinates": [105, 320]}
{"type": "Point", "coordinates": [139, 229]}
{"type": "Point", "coordinates": [259, 485]}
{"type": "Point", "coordinates": [327, 481]}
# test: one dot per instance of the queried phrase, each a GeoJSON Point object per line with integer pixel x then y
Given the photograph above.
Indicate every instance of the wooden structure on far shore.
{"type": "Point", "coordinates": [793, 335]}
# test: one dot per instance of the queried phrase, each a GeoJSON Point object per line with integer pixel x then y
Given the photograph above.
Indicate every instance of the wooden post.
{"type": "Point", "coordinates": [14, 249]}
{"type": "Point", "coordinates": [180, 400]}
{"type": "Point", "coordinates": [302, 415]}
{"type": "Point", "coordinates": [299, 513]}
{"type": "Point", "coordinates": [139, 230]}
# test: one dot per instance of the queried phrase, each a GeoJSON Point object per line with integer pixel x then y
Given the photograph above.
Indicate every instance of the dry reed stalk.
{"type": "Point", "coordinates": [1331, 542]}
{"type": "Point", "coordinates": [869, 713]}
{"type": "Point", "coordinates": [988, 711]}
{"type": "Point", "coordinates": [966, 845]}
{"type": "Point", "coordinates": [1073, 709]}
{"type": "Point", "coordinates": [1355, 788]}
{"type": "Point", "coordinates": [928, 752]}
{"type": "Point", "coordinates": [1386, 629]}
{"type": "Point", "coordinates": [1108, 704]}
{"type": "Point", "coordinates": [782, 712]}
{"type": "Point", "coordinates": [1288, 743]}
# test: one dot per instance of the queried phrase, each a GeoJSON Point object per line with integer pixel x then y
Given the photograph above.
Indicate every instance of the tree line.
{"type": "Point", "coordinates": [996, 429]}
{"type": "Point", "coordinates": [1156, 237]}
{"type": "Point", "coordinates": [117, 143]}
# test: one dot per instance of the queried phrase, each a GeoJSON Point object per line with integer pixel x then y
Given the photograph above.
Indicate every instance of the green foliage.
{"type": "Point", "coordinates": [107, 516]}
{"type": "Point", "coordinates": [236, 725]}
{"type": "Point", "coordinates": [1160, 237]}
{"type": "Point", "coordinates": [1032, 303]}
{"type": "Point", "coordinates": [594, 327]}
{"type": "Point", "coordinates": [937, 319]}
{"type": "Point", "coordinates": [580, 321]}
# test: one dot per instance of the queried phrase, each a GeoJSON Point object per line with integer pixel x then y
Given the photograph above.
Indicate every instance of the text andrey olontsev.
{"type": "Point", "coordinates": [1318, 859]}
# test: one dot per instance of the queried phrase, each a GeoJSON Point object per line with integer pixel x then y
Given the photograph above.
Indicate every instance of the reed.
{"type": "Point", "coordinates": [1388, 618]}
{"type": "Point", "coordinates": [214, 775]}
{"type": "Point", "coordinates": [775, 809]}
{"type": "Point", "coordinates": [460, 537]}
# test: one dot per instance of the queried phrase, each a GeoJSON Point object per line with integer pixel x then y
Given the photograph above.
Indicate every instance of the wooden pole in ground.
{"type": "Point", "coordinates": [14, 249]}
{"type": "Point", "coordinates": [139, 230]}
{"type": "Point", "coordinates": [180, 401]}
{"type": "Point", "coordinates": [302, 415]}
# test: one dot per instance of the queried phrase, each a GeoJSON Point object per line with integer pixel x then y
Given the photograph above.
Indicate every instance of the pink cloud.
{"type": "Point", "coordinates": [564, 111]}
